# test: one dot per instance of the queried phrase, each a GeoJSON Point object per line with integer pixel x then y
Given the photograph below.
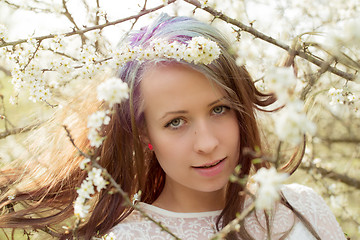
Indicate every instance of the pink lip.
{"type": "Point", "coordinates": [211, 171]}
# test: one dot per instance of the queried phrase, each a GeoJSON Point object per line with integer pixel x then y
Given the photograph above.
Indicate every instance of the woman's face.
{"type": "Point", "coordinates": [192, 128]}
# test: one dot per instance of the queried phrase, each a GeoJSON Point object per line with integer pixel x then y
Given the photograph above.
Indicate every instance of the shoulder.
{"type": "Point", "coordinates": [313, 207]}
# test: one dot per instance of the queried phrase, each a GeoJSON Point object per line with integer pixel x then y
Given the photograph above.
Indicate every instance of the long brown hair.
{"type": "Point", "coordinates": [48, 198]}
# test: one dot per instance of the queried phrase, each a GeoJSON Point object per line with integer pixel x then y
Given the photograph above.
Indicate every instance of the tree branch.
{"type": "Point", "coordinates": [333, 175]}
{"type": "Point", "coordinates": [88, 29]}
{"type": "Point", "coordinates": [271, 40]}
{"type": "Point", "coordinates": [19, 130]}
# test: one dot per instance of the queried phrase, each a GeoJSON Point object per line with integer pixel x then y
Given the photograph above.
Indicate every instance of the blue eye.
{"type": "Point", "coordinates": [175, 123]}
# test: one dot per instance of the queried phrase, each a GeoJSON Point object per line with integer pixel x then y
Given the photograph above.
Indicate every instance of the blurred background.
{"type": "Point", "coordinates": [325, 29]}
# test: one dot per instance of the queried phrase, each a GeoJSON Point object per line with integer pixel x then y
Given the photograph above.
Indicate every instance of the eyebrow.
{"type": "Point", "coordinates": [183, 111]}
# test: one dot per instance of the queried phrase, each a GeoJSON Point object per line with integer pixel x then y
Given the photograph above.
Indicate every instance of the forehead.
{"type": "Point", "coordinates": [176, 85]}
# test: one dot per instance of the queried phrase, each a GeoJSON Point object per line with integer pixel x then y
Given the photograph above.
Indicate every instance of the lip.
{"type": "Point", "coordinates": [207, 171]}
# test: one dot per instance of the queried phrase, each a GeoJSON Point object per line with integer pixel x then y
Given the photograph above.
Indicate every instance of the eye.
{"type": "Point", "coordinates": [175, 123]}
{"type": "Point", "coordinates": [220, 109]}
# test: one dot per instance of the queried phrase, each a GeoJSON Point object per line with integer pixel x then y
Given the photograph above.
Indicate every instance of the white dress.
{"type": "Point", "coordinates": [201, 226]}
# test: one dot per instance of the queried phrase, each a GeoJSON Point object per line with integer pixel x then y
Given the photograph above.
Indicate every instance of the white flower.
{"type": "Point", "coordinates": [97, 119]}
{"type": "Point", "coordinates": [94, 173]}
{"type": "Point", "coordinates": [261, 86]}
{"type": "Point", "coordinates": [86, 189]}
{"type": "Point", "coordinates": [351, 97]}
{"type": "Point", "coordinates": [281, 80]}
{"type": "Point", "coordinates": [100, 183]}
{"type": "Point", "coordinates": [202, 50]}
{"type": "Point", "coordinates": [94, 137]}
{"type": "Point", "coordinates": [80, 209]}
{"type": "Point", "coordinates": [84, 162]}
{"type": "Point", "coordinates": [337, 96]}
{"type": "Point", "coordinates": [269, 182]}
{"type": "Point", "coordinates": [159, 45]}
{"type": "Point", "coordinates": [204, 3]}
{"type": "Point", "coordinates": [3, 32]}
{"type": "Point", "coordinates": [110, 236]}
{"type": "Point", "coordinates": [113, 91]}
{"type": "Point", "coordinates": [197, 50]}
{"type": "Point", "coordinates": [12, 100]}
{"type": "Point", "coordinates": [291, 123]}
{"type": "Point", "coordinates": [96, 178]}
{"type": "Point", "coordinates": [11, 197]}
{"type": "Point", "coordinates": [136, 197]}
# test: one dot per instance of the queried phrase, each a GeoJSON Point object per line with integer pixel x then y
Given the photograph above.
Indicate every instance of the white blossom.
{"type": "Point", "coordinates": [337, 96]}
{"type": "Point", "coordinates": [3, 32]}
{"type": "Point", "coordinates": [268, 182]}
{"type": "Point", "coordinates": [261, 86]}
{"type": "Point", "coordinates": [84, 162]}
{"type": "Point", "coordinates": [281, 80]}
{"type": "Point", "coordinates": [96, 178]}
{"type": "Point", "coordinates": [113, 91]}
{"type": "Point", "coordinates": [95, 138]}
{"type": "Point", "coordinates": [204, 3]}
{"type": "Point", "coordinates": [97, 119]}
{"type": "Point", "coordinates": [11, 197]}
{"type": "Point", "coordinates": [80, 209]}
{"type": "Point", "coordinates": [57, 43]}
{"type": "Point", "coordinates": [203, 50]}
{"type": "Point", "coordinates": [86, 189]}
{"type": "Point", "coordinates": [12, 100]}
{"type": "Point", "coordinates": [291, 123]}
{"type": "Point", "coordinates": [351, 97]}
{"type": "Point", "coordinates": [197, 50]}
{"type": "Point", "coordinates": [110, 236]}
{"type": "Point", "coordinates": [136, 197]}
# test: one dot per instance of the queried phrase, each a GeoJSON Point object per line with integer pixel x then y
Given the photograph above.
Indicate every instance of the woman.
{"type": "Point", "coordinates": [189, 121]}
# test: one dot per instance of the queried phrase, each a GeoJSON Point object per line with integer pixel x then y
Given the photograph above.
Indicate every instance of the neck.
{"type": "Point", "coordinates": [189, 200]}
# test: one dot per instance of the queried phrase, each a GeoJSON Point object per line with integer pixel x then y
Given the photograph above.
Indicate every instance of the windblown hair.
{"type": "Point", "coordinates": [47, 199]}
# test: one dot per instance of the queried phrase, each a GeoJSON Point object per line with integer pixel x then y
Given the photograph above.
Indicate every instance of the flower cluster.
{"type": "Point", "coordinates": [26, 71]}
{"type": "Point", "coordinates": [291, 123]}
{"type": "Point", "coordinates": [112, 91]}
{"type": "Point", "coordinates": [198, 50]}
{"type": "Point", "coordinates": [87, 189]}
{"type": "Point", "coordinates": [339, 96]}
{"type": "Point", "coordinates": [281, 80]}
{"type": "Point", "coordinates": [95, 121]}
{"type": "Point", "coordinates": [343, 102]}
{"type": "Point", "coordinates": [268, 185]}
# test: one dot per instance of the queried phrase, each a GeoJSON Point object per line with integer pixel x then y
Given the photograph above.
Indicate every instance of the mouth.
{"type": "Point", "coordinates": [213, 164]}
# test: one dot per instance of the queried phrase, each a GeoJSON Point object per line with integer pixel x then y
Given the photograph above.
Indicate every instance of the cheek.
{"type": "Point", "coordinates": [171, 148]}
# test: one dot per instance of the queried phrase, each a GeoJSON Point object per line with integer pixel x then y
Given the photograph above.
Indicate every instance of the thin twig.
{"type": "Point", "coordinates": [19, 130]}
{"type": "Point", "coordinates": [73, 143]}
{"type": "Point", "coordinates": [28, 8]}
{"type": "Point", "coordinates": [88, 29]}
{"type": "Point", "coordinates": [232, 226]}
{"type": "Point", "coordinates": [71, 19]}
{"type": "Point", "coordinates": [350, 181]}
{"type": "Point", "coordinates": [32, 56]}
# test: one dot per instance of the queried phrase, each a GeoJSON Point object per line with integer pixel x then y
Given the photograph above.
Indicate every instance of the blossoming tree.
{"type": "Point", "coordinates": [306, 52]}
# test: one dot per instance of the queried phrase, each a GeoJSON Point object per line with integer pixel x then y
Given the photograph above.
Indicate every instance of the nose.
{"type": "Point", "coordinates": [205, 140]}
